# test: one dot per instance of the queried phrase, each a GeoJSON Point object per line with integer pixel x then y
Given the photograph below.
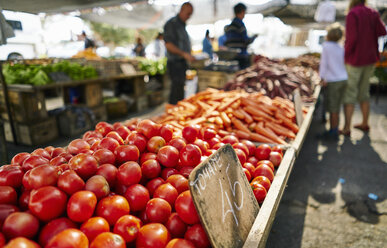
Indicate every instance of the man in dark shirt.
{"type": "Point", "coordinates": [89, 43]}
{"type": "Point", "coordinates": [178, 51]}
{"type": "Point", "coordinates": [236, 35]}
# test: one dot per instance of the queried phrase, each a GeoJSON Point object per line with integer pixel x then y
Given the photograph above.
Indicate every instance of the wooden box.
{"type": "Point", "coordinates": [100, 114]}
{"type": "Point", "coordinates": [89, 94]}
{"type": "Point", "coordinates": [26, 107]}
{"type": "Point", "coordinates": [73, 123]}
{"type": "Point", "coordinates": [33, 134]}
{"type": "Point", "coordinates": [155, 98]}
{"type": "Point", "coordinates": [140, 104]}
{"type": "Point", "coordinates": [213, 79]}
{"type": "Point", "coordinates": [116, 109]}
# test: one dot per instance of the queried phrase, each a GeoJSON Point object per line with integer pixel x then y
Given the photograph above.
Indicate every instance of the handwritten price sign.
{"type": "Point", "coordinates": [223, 198]}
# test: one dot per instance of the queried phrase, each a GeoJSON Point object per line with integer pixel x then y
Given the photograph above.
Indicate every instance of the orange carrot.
{"type": "Point", "coordinates": [218, 121]}
{"type": "Point", "coordinates": [238, 114]}
{"type": "Point", "coordinates": [281, 130]}
{"type": "Point", "coordinates": [247, 117]}
{"type": "Point", "coordinates": [226, 120]}
{"type": "Point", "coordinates": [239, 125]}
{"type": "Point", "coordinates": [261, 130]}
{"type": "Point", "coordinates": [223, 133]}
{"type": "Point", "coordinates": [241, 134]}
{"type": "Point", "coordinates": [260, 138]}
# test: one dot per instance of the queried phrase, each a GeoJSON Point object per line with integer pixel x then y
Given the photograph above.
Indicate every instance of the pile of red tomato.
{"type": "Point", "coordinates": [118, 186]}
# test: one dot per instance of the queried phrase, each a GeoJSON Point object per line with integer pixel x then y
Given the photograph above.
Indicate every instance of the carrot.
{"type": "Point", "coordinates": [239, 125]}
{"type": "Point", "coordinates": [287, 122]}
{"type": "Point", "coordinates": [241, 134]}
{"type": "Point", "coordinates": [247, 117]}
{"type": "Point", "coordinates": [252, 126]}
{"type": "Point", "coordinates": [226, 120]}
{"type": "Point", "coordinates": [223, 133]}
{"type": "Point", "coordinates": [218, 121]}
{"type": "Point", "coordinates": [228, 103]}
{"type": "Point", "coordinates": [280, 130]}
{"type": "Point", "coordinates": [260, 138]}
{"type": "Point", "coordinates": [261, 130]}
{"type": "Point", "coordinates": [239, 114]}
{"type": "Point", "coordinates": [257, 112]}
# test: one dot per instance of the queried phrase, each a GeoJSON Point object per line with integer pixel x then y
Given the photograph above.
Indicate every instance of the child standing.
{"type": "Point", "coordinates": [334, 76]}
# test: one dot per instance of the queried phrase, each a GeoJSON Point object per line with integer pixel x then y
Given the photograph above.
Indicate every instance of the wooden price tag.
{"type": "Point", "coordinates": [127, 69]}
{"type": "Point", "coordinates": [223, 198]}
{"type": "Point", "coordinates": [298, 107]}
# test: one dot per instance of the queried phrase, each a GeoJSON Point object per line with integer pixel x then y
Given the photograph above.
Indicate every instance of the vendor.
{"type": "Point", "coordinates": [89, 43]}
{"type": "Point", "coordinates": [236, 35]}
{"type": "Point", "coordinates": [178, 51]}
{"type": "Point", "coordinates": [207, 46]}
{"type": "Point", "coordinates": [139, 49]}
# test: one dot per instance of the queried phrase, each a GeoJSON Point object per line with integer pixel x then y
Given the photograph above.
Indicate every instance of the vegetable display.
{"type": "Point", "coordinates": [272, 78]}
{"type": "Point", "coordinates": [153, 67]}
{"type": "Point", "coordinates": [121, 185]}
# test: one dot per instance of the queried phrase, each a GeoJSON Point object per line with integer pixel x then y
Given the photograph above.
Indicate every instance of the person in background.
{"type": "Point", "coordinates": [159, 46]}
{"type": "Point", "coordinates": [139, 49]}
{"type": "Point", "coordinates": [221, 40]}
{"type": "Point", "coordinates": [236, 35]}
{"type": "Point", "coordinates": [89, 43]}
{"type": "Point", "coordinates": [363, 27]}
{"type": "Point", "coordinates": [178, 51]}
{"type": "Point", "coordinates": [334, 76]}
{"type": "Point", "coordinates": [207, 46]}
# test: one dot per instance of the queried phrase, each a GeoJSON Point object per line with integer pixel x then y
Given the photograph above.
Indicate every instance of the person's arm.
{"type": "Point", "coordinates": [175, 50]}
{"type": "Point", "coordinates": [323, 64]}
{"type": "Point", "coordinates": [380, 28]}
{"type": "Point", "coordinates": [351, 34]}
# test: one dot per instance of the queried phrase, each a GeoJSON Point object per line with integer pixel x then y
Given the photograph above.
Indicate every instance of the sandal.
{"type": "Point", "coordinates": [363, 128]}
{"type": "Point", "coordinates": [345, 133]}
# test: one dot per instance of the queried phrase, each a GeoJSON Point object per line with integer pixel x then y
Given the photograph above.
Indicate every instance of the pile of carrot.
{"type": "Point", "coordinates": [251, 116]}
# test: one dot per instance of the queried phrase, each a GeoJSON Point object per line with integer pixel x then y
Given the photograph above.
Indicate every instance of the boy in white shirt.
{"type": "Point", "coordinates": [334, 76]}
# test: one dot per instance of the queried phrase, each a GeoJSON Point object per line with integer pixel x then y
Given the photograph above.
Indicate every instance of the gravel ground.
{"type": "Point", "coordinates": [326, 202]}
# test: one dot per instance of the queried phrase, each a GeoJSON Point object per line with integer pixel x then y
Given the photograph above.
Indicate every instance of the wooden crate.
{"type": "Point", "coordinates": [71, 123]}
{"type": "Point", "coordinates": [100, 113]}
{"type": "Point", "coordinates": [26, 107]}
{"type": "Point", "coordinates": [33, 134]}
{"type": "Point", "coordinates": [116, 109]}
{"type": "Point", "coordinates": [140, 104]}
{"type": "Point", "coordinates": [89, 94]}
{"type": "Point", "coordinates": [213, 79]}
{"type": "Point", "coordinates": [155, 98]}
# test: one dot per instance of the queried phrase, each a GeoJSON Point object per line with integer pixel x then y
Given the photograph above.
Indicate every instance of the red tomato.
{"type": "Point", "coordinates": [49, 149]}
{"type": "Point", "coordinates": [190, 133]}
{"type": "Point", "coordinates": [129, 173]}
{"type": "Point", "coordinates": [153, 184]}
{"type": "Point", "coordinates": [158, 210]}
{"type": "Point", "coordinates": [57, 161]}
{"type": "Point", "coordinates": [137, 196]}
{"type": "Point", "coordinates": [70, 182]}
{"type": "Point", "coordinates": [264, 181]}
{"type": "Point", "coordinates": [123, 131]}
{"type": "Point", "coordinates": [128, 227]}
{"type": "Point", "coordinates": [253, 160]}
{"type": "Point", "coordinates": [179, 182]}
{"type": "Point", "coordinates": [112, 208]}
{"type": "Point", "coordinates": [42, 175]}
{"type": "Point", "coordinates": [178, 142]}
{"type": "Point", "coordinates": [180, 243]}
{"type": "Point", "coordinates": [108, 239]}
{"type": "Point", "coordinates": [137, 140]}
{"type": "Point", "coordinates": [116, 136]}
{"type": "Point", "coordinates": [167, 192]}
{"type": "Point", "coordinates": [230, 139]}
{"type": "Point", "coordinates": [8, 195]}
{"type": "Point", "coordinates": [98, 185]}
{"type": "Point", "coordinates": [47, 202]}
{"type": "Point", "coordinates": [249, 167]}
{"type": "Point", "coordinates": [103, 128]}
{"type": "Point", "coordinates": [155, 143]}
{"type": "Point", "coordinates": [109, 143]}
{"type": "Point", "coordinates": [126, 153]}
{"type": "Point", "coordinates": [78, 146]}
{"type": "Point", "coordinates": [277, 149]}
{"type": "Point", "coordinates": [81, 205]}
{"type": "Point", "coordinates": [84, 165]}
{"type": "Point", "coordinates": [41, 152]}
{"type": "Point", "coordinates": [2, 240]}
{"type": "Point", "coordinates": [66, 155]}
{"type": "Point", "coordinates": [190, 155]}
{"type": "Point", "coordinates": [166, 131]}
{"type": "Point", "coordinates": [20, 224]}
{"type": "Point", "coordinates": [185, 208]}
{"type": "Point", "coordinates": [147, 156]}
{"type": "Point", "coordinates": [24, 199]}
{"type": "Point", "coordinates": [104, 156]}
{"type": "Point", "coordinates": [150, 168]}
{"type": "Point", "coordinates": [54, 227]}
{"type": "Point", "coordinates": [209, 133]}
{"type": "Point", "coordinates": [262, 152]}
{"type": "Point", "coordinates": [19, 158]}
{"type": "Point", "coordinates": [109, 172]}
{"type": "Point", "coordinates": [94, 226]}
{"type": "Point", "coordinates": [203, 145]}
{"type": "Point", "coordinates": [21, 242]}
{"type": "Point", "coordinates": [55, 153]}
{"type": "Point", "coordinates": [34, 161]}
{"type": "Point", "coordinates": [176, 226]}
{"type": "Point", "coordinates": [167, 172]}
{"type": "Point", "coordinates": [247, 173]}
{"type": "Point", "coordinates": [5, 210]}
{"type": "Point", "coordinates": [69, 238]}
{"type": "Point", "coordinates": [250, 146]}
{"type": "Point", "coordinates": [197, 236]}
{"type": "Point", "coordinates": [168, 156]}
{"type": "Point", "coordinates": [92, 134]}
{"type": "Point", "coordinates": [153, 235]}
{"type": "Point", "coordinates": [143, 217]}
{"type": "Point", "coordinates": [218, 145]}
{"type": "Point", "coordinates": [147, 128]}
{"type": "Point", "coordinates": [212, 142]}
{"type": "Point", "coordinates": [241, 155]}
{"type": "Point", "coordinates": [266, 162]}
{"type": "Point", "coordinates": [242, 147]}
{"type": "Point", "coordinates": [259, 192]}
{"type": "Point", "coordinates": [185, 171]}
{"type": "Point", "coordinates": [264, 170]}
{"type": "Point", "coordinates": [275, 158]}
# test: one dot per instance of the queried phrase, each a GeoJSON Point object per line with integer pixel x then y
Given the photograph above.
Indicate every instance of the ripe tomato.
{"type": "Point", "coordinates": [155, 143]}
{"type": "Point", "coordinates": [41, 152]}
{"type": "Point", "coordinates": [19, 158]}
{"type": "Point", "coordinates": [250, 146]}
{"type": "Point", "coordinates": [166, 131]}
{"type": "Point", "coordinates": [262, 152]}
{"type": "Point", "coordinates": [250, 167]}
{"type": "Point", "coordinates": [11, 175]}
{"type": "Point", "coordinates": [264, 181]}
{"type": "Point", "coordinates": [2, 240]}
{"type": "Point", "coordinates": [267, 162]}
{"type": "Point", "coordinates": [197, 236]}
{"type": "Point", "coordinates": [112, 208]}
{"type": "Point", "coordinates": [277, 149]}
{"type": "Point", "coordinates": [104, 156]}
{"type": "Point", "coordinates": [247, 173]}
{"type": "Point", "coordinates": [103, 128]}
{"type": "Point", "coordinates": [150, 168]}
{"type": "Point", "coordinates": [158, 210]}
{"type": "Point", "coordinates": [109, 172]}
{"type": "Point", "coordinates": [242, 147]}
{"type": "Point", "coordinates": [21, 242]}
{"type": "Point", "coordinates": [129, 173]}
{"type": "Point", "coordinates": [241, 155]}
{"type": "Point", "coordinates": [55, 153]}
{"type": "Point", "coordinates": [259, 192]}
{"type": "Point", "coordinates": [92, 134]}
{"type": "Point", "coordinates": [264, 170]}
{"type": "Point", "coordinates": [146, 156]}
{"type": "Point", "coordinates": [94, 226]}
{"type": "Point", "coordinates": [203, 145]}
{"type": "Point", "coordinates": [153, 235]}
{"type": "Point", "coordinates": [176, 226]}
{"type": "Point", "coordinates": [180, 243]}
{"type": "Point", "coordinates": [34, 161]}
{"type": "Point", "coordinates": [84, 165]}
{"type": "Point", "coordinates": [5, 210]}
{"type": "Point", "coordinates": [126, 153]}
{"type": "Point", "coordinates": [57, 161]}
{"type": "Point", "coordinates": [168, 156]}
{"type": "Point", "coordinates": [108, 239]}
{"type": "Point", "coordinates": [208, 133]}
{"type": "Point", "coordinates": [8, 195]}
{"type": "Point", "coordinates": [178, 142]}
{"type": "Point", "coordinates": [128, 227]}
{"type": "Point", "coordinates": [179, 182]}
{"type": "Point", "coordinates": [109, 143]}
{"type": "Point", "coordinates": [138, 140]}
{"type": "Point", "coordinates": [54, 227]}
{"type": "Point", "coordinates": [185, 208]}
{"type": "Point", "coordinates": [212, 142]}
{"type": "Point", "coordinates": [167, 192]}
{"type": "Point", "coordinates": [42, 175]}
{"type": "Point", "coordinates": [190, 133]}
{"type": "Point", "coordinates": [185, 171]}
{"type": "Point", "coordinates": [153, 184]}
{"type": "Point", "coordinates": [167, 172]}
{"type": "Point", "coordinates": [230, 139]}
{"type": "Point", "coordinates": [253, 160]}
{"type": "Point", "coordinates": [70, 182]}
{"type": "Point", "coordinates": [47, 202]}
{"type": "Point", "coordinates": [190, 155]}
{"type": "Point", "coordinates": [20, 224]}
{"type": "Point", "coordinates": [78, 146]}
{"type": "Point", "coordinates": [137, 196]}
{"type": "Point", "coordinates": [81, 205]}
{"type": "Point", "coordinates": [275, 158]}
{"type": "Point", "coordinates": [98, 185]}
{"type": "Point", "coordinates": [116, 136]}
{"type": "Point", "coordinates": [69, 238]}
{"type": "Point", "coordinates": [147, 128]}
{"type": "Point", "coordinates": [123, 131]}
{"type": "Point", "coordinates": [24, 199]}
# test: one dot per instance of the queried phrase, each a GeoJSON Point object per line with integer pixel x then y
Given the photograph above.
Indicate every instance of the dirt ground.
{"type": "Point", "coordinates": [327, 201]}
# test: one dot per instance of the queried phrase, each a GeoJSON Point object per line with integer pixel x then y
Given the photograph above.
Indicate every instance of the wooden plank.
{"type": "Point", "coordinates": [223, 198]}
{"type": "Point", "coordinates": [264, 221]}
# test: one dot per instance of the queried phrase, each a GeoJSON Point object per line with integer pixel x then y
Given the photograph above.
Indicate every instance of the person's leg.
{"type": "Point", "coordinates": [177, 75]}
{"type": "Point", "coordinates": [348, 112]}
{"type": "Point", "coordinates": [334, 120]}
{"type": "Point", "coordinates": [350, 96]}
{"type": "Point", "coordinates": [364, 96]}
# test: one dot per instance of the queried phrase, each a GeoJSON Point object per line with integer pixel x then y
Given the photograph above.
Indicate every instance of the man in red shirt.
{"type": "Point", "coordinates": [363, 27]}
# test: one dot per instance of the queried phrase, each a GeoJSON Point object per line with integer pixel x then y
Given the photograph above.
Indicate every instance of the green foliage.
{"type": "Point", "coordinates": [381, 73]}
{"type": "Point", "coordinates": [153, 67]}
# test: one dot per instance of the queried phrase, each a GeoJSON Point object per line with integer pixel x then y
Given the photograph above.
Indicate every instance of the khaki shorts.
{"type": "Point", "coordinates": [335, 93]}
{"type": "Point", "coordinates": [358, 87]}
